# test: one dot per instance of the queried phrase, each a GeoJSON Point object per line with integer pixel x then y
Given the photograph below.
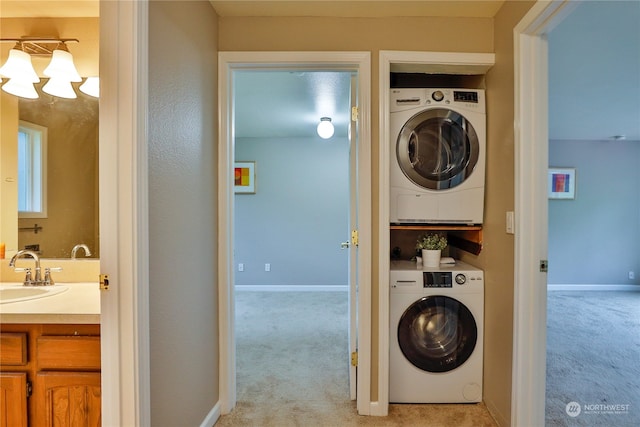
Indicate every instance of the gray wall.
{"type": "Point", "coordinates": [299, 214]}
{"type": "Point", "coordinates": [595, 239]}
{"type": "Point", "coordinates": [182, 211]}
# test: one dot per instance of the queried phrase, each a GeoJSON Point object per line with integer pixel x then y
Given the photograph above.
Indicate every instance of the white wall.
{"type": "Point", "coordinates": [594, 238]}
{"type": "Point", "coordinates": [182, 212]}
{"type": "Point", "coordinates": [299, 214]}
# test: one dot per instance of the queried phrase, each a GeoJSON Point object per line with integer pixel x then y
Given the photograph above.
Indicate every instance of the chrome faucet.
{"type": "Point", "coordinates": [87, 252]}
{"type": "Point", "coordinates": [28, 281]}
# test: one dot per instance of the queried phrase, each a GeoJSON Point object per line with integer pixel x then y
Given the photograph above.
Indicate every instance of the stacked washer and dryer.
{"type": "Point", "coordinates": [437, 174]}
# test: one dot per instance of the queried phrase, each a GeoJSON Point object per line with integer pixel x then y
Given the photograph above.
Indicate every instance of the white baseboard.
{"type": "Point", "coordinates": [565, 287]}
{"type": "Point", "coordinates": [212, 417]}
{"type": "Point", "coordinates": [292, 288]}
{"type": "Point", "coordinates": [498, 417]}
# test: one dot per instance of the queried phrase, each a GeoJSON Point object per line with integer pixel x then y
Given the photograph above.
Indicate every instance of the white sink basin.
{"type": "Point", "coordinates": [17, 293]}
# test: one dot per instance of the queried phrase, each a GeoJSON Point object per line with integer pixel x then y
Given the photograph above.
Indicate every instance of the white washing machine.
{"type": "Point", "coordinates": [437, 165]}
{"type": "Point", "coordinates": [436, 333]}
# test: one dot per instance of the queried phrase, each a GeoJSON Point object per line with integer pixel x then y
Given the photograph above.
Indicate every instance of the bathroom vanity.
{"type": "Point", "coordinates": [50, 358]}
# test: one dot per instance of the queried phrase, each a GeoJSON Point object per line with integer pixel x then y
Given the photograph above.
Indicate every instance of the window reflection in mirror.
{"type": "Point", "coordinates": [32, 170]}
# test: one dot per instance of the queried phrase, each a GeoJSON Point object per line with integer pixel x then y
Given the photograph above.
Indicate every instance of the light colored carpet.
{"type": "Point", "coordinates": [593, 358]}
{"type": "Point", "coordinates": [292, 357]}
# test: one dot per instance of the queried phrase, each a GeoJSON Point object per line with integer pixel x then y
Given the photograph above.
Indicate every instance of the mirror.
{"type": "Point", "coordinates": [72, 176]}
{"type": "Point", "coordinates": [72, 143]}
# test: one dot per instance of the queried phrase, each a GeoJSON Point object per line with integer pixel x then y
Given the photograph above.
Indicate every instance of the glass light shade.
{"type": "Point", "coordinates": [91, 87]}
{"type": "Point", "coordinates": [20, 87]}
{"type": "Point", "coordinates": [59, 87]}
{"type": "Point", "coordinates": [325, 128]}
{"type": "Point", "coordinates": [61, 67]}
{"type": "Point", "coordinates": [19, 66]}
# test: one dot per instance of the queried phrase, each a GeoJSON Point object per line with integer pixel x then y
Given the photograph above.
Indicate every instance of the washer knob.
{"type": "Point", "coordinates": [437, 96]}
{"type": "Point", "coordinates": [461, 279]}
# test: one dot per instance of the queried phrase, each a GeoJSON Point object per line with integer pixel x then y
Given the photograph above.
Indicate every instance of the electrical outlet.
{"type": "Point", "coordinates": [267, 267]}
{"type": "Point", "coordinates": [241, 267]}
{"type": "Point", "coordinates": [632, 275]}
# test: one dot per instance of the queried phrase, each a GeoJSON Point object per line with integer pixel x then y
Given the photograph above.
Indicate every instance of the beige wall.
{"type": "Point", "coordinates": [183, 326]}
{"type": "Point", "coordinates": [428, 34]}
{"type": "Point", "coordinates": [497, 258]}
{"type": "Point", "coordinates": [8, 172]}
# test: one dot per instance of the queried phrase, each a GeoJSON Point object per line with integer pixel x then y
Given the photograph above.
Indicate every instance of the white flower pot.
{"type": "Point", "coordinates": [431, 258]}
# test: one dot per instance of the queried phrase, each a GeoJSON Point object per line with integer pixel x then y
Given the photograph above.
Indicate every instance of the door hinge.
{"type": "Point", "coordinates": [354, 114]}
{"type": "Point", "coordinates": [544, 265]}
{"type": "Point", "coordinates": [354, 238]}
{"type": "Point", "coordinates": [104, 282]}
{"type": "Point", "coordinates": [29, 389]}
{"type": "Point", "coordinates": [354, 358]}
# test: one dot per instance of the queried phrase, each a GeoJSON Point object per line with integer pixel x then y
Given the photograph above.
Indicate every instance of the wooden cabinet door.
{"type": "Point", "coordinates": [68, 399]}
{"type": "Point", "coordinates": [13, 399]}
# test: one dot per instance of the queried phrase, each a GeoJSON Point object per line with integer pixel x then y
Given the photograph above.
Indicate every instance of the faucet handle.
{"type": "Point", "coordinates": [48, 280]}
{"type": "Point", "coordinates": [28, 280]}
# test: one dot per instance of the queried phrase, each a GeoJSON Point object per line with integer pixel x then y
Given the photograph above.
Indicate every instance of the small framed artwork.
{"type": "Point", "coordinates": [562, 183]}
{"type": "Point", "coordinates": [244, 178]}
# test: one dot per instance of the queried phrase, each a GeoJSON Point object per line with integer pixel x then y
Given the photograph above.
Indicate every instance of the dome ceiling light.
{"type": "Point", "coordinates": [325, 128]}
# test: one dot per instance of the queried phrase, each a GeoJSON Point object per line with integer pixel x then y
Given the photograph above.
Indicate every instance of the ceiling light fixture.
{"type": "Point", "coordinates": [325, 128]}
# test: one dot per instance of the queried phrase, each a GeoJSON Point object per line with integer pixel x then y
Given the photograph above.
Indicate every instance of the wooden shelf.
{"type": "Point", "coordinates": [465, 237]}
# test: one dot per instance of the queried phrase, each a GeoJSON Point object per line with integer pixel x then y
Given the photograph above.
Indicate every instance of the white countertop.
{"type": "Point", "coordinates": [79, 304]}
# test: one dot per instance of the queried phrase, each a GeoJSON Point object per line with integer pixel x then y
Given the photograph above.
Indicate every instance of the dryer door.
{"type": "Point", "coordinates": [437, 334]}
{"type": "Point", "coordinates": [437, 149]}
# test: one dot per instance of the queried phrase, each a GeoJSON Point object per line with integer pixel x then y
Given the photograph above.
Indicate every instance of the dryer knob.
{"type": "Point", "coordinates": [461, 279]}
{"type": "Point", "coordinates": [437, 96]}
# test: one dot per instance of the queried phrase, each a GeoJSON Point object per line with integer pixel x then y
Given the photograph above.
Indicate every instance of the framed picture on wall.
{"type": "Point", "coordinates": [244, 178]}
{"type": "Point", "coordinates": [562, 183]}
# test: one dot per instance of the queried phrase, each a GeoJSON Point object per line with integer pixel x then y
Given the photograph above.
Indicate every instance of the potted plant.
{"type": "Point", "coordinates": [431, 245]}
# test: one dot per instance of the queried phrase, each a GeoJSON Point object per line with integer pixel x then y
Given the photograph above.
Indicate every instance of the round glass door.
{"type": "Point", "coordinates": [437, 334]}
{"type": "Point", "coordinates": [437, 149]}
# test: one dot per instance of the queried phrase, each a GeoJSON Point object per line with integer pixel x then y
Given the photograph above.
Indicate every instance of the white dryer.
{"type": "Point", "coordinates": [438, 146]}
{"type": "Point", "coordinates": [436, 333]}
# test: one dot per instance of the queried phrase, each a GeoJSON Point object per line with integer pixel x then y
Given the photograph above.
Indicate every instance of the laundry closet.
{"type": "Point", "coordinates": [436, 144]}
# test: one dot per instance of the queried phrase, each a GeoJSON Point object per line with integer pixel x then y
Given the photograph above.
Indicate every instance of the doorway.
{"type": "Point", "coordinates": [358, 63]}
{"type": "Point", "coordinates": [291, 213]}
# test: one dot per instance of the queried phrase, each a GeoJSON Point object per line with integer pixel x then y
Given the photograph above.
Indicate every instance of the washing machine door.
{"type": "Point", "coordinates": [437, 149]}
{"type": "Point", "coordinates": [437, 334]}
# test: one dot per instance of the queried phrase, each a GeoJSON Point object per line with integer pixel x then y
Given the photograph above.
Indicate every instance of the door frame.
{"type": "Point", "coordinates": [228, 62]}
{"type": "Point", "coordinates": [124, 236]}
{"type": "Point", "coordinates": [531, 140]}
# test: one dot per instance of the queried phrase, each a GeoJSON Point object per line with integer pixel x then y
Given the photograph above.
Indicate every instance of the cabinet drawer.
{"type": "Point", "coordinates": [13, 348]}
{"type": "Point", "coordinates": [60, 353]}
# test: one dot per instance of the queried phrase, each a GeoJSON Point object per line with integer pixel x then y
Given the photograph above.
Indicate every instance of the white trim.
{"type": "Point", "coordinates": [123, 213]}
{"type": "Point", "coordinates": [447, 62]}
{"type": "Point", "coordinates": [229, 61]}
{"type": "Point", "coordinates": [531, 160]}
{"type": "Point", "coordinates": [292, 288]}
{"type": "Point", "coordinates": [212, 417]}
{"type": "Point", "coordinates": [585, 287]}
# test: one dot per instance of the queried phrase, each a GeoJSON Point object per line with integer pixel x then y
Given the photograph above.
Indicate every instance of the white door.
{"type": "Point", "coordinates": [353, 250]}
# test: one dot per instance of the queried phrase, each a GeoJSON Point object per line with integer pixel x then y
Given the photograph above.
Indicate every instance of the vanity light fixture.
{"type": "Point", "coordinates": [91, 87]}
{"type": "Point", "coordinates": [61, 70]}
{"type": "Point", "coordinates": [325, 128]}
{"type": "Point", "coordinates": [20, 72]}
{"type": "Point", "coordinates": [61, 65]}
